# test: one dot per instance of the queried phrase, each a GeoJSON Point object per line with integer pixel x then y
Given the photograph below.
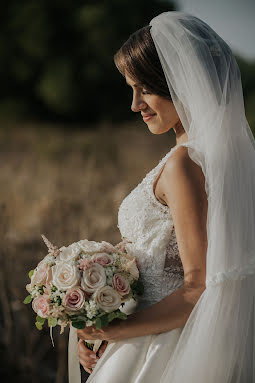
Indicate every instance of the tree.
{"type": "Point", "coordinates": [57, 57]}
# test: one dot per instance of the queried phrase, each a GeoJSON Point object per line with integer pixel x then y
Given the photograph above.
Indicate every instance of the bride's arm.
{"type": "Point", "coordinates": [184, 192]}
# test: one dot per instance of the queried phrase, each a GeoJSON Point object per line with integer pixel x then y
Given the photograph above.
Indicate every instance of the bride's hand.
{"type": "Point", "coordinates": [87, 357]}
{"type": "Point", "coordinates": [112, 332]}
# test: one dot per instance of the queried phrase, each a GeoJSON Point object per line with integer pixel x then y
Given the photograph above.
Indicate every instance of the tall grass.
{"type": "Point", "coordinates": [67, 184]}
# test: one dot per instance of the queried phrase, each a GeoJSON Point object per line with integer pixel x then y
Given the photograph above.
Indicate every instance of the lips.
{"type": "Point", "coordinates": [147, 117]}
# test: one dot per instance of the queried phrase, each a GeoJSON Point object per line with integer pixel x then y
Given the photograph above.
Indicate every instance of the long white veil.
{"type": "Point", "coordinates": [217, 344]}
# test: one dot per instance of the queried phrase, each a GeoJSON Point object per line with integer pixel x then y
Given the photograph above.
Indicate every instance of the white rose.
{"type": "Point", "coordinates": [48, 260]}
{"type": "Point", "coordinates": [93, 278]}
{"type": "Point", "coordinates": [108, 299]}
{"type": "Point", "coordinates": [129, 306]}
{"type": "Point", "coordinates": [65, 275]}
{"type": "Point", "coordinates": [70, 252]}
{"type": "Point", "coordinates": [90, 247]}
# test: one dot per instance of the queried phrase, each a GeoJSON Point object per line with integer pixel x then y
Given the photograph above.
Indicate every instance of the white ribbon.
{"type": "Point", "coordinates": [74, 372]}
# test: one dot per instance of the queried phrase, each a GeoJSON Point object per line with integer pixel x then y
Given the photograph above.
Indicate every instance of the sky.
{"type": "Point", "coordinates": [233, 20]}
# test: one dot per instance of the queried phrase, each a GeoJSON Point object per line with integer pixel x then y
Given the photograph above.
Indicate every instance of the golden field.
{"type": "Point", "coordinates": [67, 183]}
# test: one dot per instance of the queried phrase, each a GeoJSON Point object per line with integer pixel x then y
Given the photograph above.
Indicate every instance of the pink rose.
{"type": "Point", "coordinates": [108, 247]}
{"type": "Point", "coordinates": [41, 305]}
{"type": "Point", "coordinates": [103, 259]}
{"type": "Point", "coordinates": [74, 299]}
{"type": "Point", "coordinates": [85, 263]}
{"type": "Point", "coordinates": [121, 284]}
{"type": "Point", "coordinates": [42, 275]}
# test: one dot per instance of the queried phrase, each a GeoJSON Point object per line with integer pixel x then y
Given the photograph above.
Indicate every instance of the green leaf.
{"type": "Point", "coordinates": [31, 272]}
{"type": "Point", "coordinates": [101, 314]}
{"type": "Point", "coordinates": [28, 299]}
{"type": "Point", "coordinates": [78, 318]}
{"type": "Point", "coordinates": [138, 287]}
{"type": "Point", "coordinates": [39, 325]}
{"type": "Point", "coordinates": [104, 320]}
{"type": "Point", "coordinates": [52, 322]}
{"type": "Point", "coordinates": [79, 324]}
{"type": "Point", "coordinates": [40, 319]}
{"type": "Point", "coordinates": [111, 316]}
{"type": "Point", "coordinates": [98, 323]}
{"type": "Point", "coordinates": [121, 315]}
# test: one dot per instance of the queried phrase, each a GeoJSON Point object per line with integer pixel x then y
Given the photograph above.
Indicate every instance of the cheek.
{"type": "Point", "coordinates": [169, 113]}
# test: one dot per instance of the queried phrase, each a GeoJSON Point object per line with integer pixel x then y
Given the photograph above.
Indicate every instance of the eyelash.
{"type": "Point", "coordinates": [145, 92]}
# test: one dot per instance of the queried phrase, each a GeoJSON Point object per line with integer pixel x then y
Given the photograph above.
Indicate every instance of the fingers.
{"type": "Point", "coordinates": [85, 333]}
{"type": "Point", "coordinates": [91, 333]}
{"type": "Point", "coordinates": [87, 358]}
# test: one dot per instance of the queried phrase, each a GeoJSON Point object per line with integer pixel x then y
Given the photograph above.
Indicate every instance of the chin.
{"type": "Point", "coordinates": [156, 130]}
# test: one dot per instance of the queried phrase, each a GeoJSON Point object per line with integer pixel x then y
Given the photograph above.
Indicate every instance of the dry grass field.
{"type": "Point", "coordinates": [67, 184]}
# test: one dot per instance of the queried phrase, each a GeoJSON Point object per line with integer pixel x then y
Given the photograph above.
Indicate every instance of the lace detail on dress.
{"type": "Point", "coordinates": [148, 226]}
{"type": "Point", "coordinates": [234, 274]}
{"type": "Point", "coordinates": [173, 261]}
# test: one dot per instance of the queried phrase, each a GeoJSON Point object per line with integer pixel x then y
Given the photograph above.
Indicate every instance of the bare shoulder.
{"type": "Point", "coordinates": [183, 185]}
{"type": "Point", "coordinates": [179, 166]}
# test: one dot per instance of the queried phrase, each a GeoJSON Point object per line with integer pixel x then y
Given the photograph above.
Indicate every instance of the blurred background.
{"type": "Point", "coordinates": [70, 147]}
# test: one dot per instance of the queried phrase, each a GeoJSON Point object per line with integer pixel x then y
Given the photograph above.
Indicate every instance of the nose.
{"type": "Point", "coordinates": [137, 104]}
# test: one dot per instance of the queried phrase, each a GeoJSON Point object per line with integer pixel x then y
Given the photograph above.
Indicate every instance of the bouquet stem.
{"type": "Point", "coordinates": [93, 345]}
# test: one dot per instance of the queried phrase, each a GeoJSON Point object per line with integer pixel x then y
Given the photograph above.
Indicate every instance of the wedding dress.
{"type": "Point", "coordinates": [217, 343]}
{"type": "Point", "coordinates": [148, 224]}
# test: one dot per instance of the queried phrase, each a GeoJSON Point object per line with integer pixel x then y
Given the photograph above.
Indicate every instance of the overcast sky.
{"type": "Point", "coordinates": [233, 20]}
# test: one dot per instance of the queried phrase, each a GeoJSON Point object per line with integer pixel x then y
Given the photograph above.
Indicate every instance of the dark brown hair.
{"type": "Point", "coordinates": [138, 58]}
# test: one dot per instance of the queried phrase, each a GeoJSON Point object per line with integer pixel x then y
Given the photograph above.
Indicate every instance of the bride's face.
{"type": "Point", "coordinates": [163, 115]}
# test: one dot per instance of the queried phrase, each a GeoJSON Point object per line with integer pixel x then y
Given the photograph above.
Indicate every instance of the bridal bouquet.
{"type": "Point", "coordinates": [86, 283]}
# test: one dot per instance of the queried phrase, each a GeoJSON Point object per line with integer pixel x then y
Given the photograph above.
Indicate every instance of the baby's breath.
{"type": "Point", "coordinates": [91, 308]}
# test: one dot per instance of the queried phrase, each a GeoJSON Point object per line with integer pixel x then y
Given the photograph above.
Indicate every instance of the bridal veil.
{"type": "Point", "coordinates": [217, 343]}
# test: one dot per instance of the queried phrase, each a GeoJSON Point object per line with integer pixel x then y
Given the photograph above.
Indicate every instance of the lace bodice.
{"type": "Point", "coordinates": [149, 227]}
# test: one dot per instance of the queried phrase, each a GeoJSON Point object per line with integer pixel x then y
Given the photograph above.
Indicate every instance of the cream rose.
{"type": "Point", "coordinates": [103, 259]}
{"type": "Point", "coordinates": [74, 299]}
{"type": "Point", "coordinates": [131, 267]}
{"type": "Point", "coordinates": [93, 278]}
{"type": "Point", "coordinates": [90, 247]}
{"type": "Point", "coordinates": [42, 275]}
{"type": "Point", "coordinates": [120, 284]}
{"type": "Point", "coordinates": [70, 252]}
{"type": "Point", "coordinates": [41, 305]}
{"type": "Point", "coordinates": [108, 299]}
{"type": "Point", "coordinates": [65, 275]}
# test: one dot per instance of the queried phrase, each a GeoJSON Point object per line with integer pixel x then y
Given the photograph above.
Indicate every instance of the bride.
{"type": "Point", "coordinates": [190, 222]}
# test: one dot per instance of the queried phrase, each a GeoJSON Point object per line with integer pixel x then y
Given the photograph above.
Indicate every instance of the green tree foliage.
{"type": "Point", "coordinates": [57, 57]}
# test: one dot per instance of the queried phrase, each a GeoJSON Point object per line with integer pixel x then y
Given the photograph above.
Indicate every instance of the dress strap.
{"type": "Point", "coordinates": [149, 179]}
{"type": "Point", "coordinates": [164, 159]}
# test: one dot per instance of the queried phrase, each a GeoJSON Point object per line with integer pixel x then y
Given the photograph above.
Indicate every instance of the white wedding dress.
{"type": "Point", "coordinates": [146, 222]}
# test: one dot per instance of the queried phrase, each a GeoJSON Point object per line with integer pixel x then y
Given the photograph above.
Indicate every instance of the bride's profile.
{"type": "Point", "coordinates": [191, 220]}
